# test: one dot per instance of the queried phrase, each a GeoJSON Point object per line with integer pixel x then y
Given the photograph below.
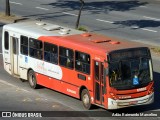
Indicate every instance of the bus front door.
{"type": "Point", "coordinates": [98, 83]}
{"type": "Point", "coordinates": [15, 53]}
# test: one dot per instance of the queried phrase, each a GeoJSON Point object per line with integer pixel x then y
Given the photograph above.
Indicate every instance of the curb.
{"type": "Point", "coordinates": [5, 21]}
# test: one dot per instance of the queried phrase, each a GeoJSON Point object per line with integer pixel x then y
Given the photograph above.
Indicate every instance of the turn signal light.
{"type": "Point", "coordinates": [150, 91]}
{"type": "Point", "coordinates": [113, 96]}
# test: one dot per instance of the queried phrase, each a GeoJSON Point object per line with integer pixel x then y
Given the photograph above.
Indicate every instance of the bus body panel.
{"type": "Point", "coordinates": [58, 85]}
{"type": "Point", "coordinates": [23, 66]}
{"type": "Point", "coordinates": [66, 80]}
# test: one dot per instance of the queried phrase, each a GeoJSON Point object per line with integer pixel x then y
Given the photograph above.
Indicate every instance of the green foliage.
{"type": "Point", "coordinates": [82, 28]}
{"type": "Point", "coordinates": [156, 49]}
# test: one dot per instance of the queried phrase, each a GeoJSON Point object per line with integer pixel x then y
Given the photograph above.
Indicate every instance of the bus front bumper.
{"type": "Point", "coordinates": [116, 104]}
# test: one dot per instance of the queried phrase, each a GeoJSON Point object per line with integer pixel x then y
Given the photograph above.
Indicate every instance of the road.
{"type": "Point", "coordinates": [135, 20]}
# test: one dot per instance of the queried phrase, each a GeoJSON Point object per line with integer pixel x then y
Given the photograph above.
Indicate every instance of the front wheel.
{"type": "Point", "coordinates": [32, 79]}
{"type": "Point", "coordinates": [86, 100]}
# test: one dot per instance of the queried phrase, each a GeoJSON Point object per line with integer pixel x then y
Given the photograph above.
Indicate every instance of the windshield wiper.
{"type": "Point", "coordinates": [140, 66]}
{"type": "Point", "coordinates": [120, 70]}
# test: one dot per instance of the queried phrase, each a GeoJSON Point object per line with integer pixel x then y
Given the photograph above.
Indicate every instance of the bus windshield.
{"type": "Point", "coordinates": [130, 73]}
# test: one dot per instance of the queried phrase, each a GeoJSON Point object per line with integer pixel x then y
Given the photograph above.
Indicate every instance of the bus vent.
{"type": "Point", "coordinates": [114, 42]}
{"type": "Point", "coordinates": [100, 41]}
{"type": "Point", "coordinates": [40, 23]}
{"type": "Point", "coordinates": [86, 34]}
{"type": "Point", "coordinates": [51, 28]}
{"type": "Point", "coordinates": [64, 31]}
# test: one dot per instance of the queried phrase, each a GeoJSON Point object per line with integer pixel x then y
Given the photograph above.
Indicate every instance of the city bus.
{"type": "Point", "coordinates": [97, 69]}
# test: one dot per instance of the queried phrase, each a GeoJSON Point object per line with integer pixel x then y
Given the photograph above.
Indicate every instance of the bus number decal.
{"type": "Point", "coordinates": [141, 89]}
{"type": "Point", "coordinates": [71, 91]}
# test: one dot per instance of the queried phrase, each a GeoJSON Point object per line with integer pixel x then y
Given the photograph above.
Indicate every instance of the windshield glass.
{"type": "Point", "coordinates": [128, 74]}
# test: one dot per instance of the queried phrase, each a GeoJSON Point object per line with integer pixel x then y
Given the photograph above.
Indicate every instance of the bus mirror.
{"type": "Point", "coordinates": [107, 71]}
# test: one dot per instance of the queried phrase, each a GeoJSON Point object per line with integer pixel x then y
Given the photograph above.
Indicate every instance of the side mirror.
{"type": "Point", "coordinates": [107, 71]}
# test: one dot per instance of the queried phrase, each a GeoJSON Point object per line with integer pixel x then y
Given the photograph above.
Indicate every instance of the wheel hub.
{"type": "Point", "coordinates": [86, 99]}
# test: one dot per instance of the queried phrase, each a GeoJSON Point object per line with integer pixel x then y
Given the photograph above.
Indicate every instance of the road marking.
{"type": "Point", "coordinates": [135, 27]}
{"type": "Point", "coordinates": [105, 21]}
{"type": "Point", "coordinates": [15, 3]}
{"type": "Point", "coordinates": [92, 7]}
{"type": "Point", "coordinates": [143, 6]}
{"type": "Point", "coordinates": [152, 18]}
{"type": "Point", "coordinates": [148, 30]}
{"type": "Point", "coordinates": [9, 84]}
{"type": "Point", "coordinates": [69, 13]}
{"type": "Point", "coordinates": [42, 8]}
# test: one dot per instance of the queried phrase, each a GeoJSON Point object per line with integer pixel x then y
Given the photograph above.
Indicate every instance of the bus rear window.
{"type": "Point", "coordinates": [6, 40]}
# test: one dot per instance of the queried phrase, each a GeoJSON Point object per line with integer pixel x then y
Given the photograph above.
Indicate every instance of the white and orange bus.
{"type": "Point", "coordinates": [94, 68]}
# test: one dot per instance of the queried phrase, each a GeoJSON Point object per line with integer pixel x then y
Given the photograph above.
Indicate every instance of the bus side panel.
{"type": "Point", "coordinates": [57, 85]}
{"type": "Point", "coordinates": [76, 79]}
{"type": "Point", "coordinates": [45, 68]}
{"type": "Point", "coordinates": [43, 80]}
{"type": "Point", "coordinates": [23, 61]}
{"type": "Point", "coordinates": [70, 89]}
{"type": "Point", "coordinates": [23, 73]}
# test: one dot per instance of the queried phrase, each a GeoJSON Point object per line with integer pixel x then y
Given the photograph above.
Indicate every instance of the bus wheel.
{"type": "Point", "coordinates": [86, 100]}
{"type": "Point", "coordinates": [32, 79]}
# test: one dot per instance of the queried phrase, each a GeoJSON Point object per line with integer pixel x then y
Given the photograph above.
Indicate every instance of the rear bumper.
{"type": "Point", "coordinates": [116, 104]}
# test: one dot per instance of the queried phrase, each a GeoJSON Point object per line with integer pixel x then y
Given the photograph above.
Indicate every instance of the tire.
{"type": "Point", "coordinates": [86, 99]}
{"type": "Point", "coordinates": [32, 79]}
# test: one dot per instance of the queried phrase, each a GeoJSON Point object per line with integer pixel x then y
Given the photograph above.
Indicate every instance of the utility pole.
{"type": "Point", "coordinates": [82, 4]}
{"type": "Point", "coordinates": [7, 8]}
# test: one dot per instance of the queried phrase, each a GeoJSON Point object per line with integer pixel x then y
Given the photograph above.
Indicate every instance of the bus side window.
{"type": "Point", "coordinates": [6, 40]}
{"type": "Point", "coordinates": [35, 48]}
{"type": "Point", "coordinates": [24, 45]}
{"type": "Point", "coordinates": [66, 57]}
{"type": "Point", "coordinates": [50, 53]}
{"type": "Point", "coordinates": [82, 63]}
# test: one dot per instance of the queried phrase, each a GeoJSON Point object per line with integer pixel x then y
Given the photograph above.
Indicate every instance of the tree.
{"type": "Point", "coordinates": [78, 19]}
{"type": "Point", "coordinates": [7, 8]}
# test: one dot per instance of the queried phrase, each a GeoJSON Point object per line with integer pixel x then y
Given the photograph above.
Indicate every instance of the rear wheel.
{"type": "Point", "coordinates": [86, 100]}
{"type": "Point", "coordinates": [32, 79]}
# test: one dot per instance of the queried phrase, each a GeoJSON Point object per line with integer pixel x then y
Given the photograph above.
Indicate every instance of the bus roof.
{"type": "Point", "coordinates": [38, 28]}
{"type": "Point", "coordinates": [70, 37]}
{"type": "Point", "coordinates": [92, 42]}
